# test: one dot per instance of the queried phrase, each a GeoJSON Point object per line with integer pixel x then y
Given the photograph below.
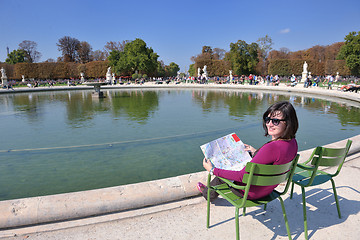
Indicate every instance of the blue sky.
{"type": "Point", "coordinates": [176, 30]}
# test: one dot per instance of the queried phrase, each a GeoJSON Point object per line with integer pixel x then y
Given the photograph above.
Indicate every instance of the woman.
{"type": "Point", "coordinates": [281, 123]}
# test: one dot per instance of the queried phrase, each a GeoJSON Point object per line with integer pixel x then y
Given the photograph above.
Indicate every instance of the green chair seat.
{"type": "Point", "coordinates": [225, 192]}
{"type": "Point", "coordinates": [303, 179]}
{"type": "Point", "coordinates": [260, 175]}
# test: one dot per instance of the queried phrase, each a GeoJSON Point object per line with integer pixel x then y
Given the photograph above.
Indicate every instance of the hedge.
{"type": "Point", "coordinates": [287, 67]}
{"type": "Point", "coordinates": [58, 70]}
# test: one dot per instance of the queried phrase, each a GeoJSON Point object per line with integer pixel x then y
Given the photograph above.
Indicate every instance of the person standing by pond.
{"type": "Point", "coordinates": [330, 80]}
{"type": "Point", "coordinates": [280, 123]}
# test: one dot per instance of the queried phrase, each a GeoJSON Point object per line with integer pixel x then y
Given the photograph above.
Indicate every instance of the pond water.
{"type": "Point", "coordinates": [56, 142]}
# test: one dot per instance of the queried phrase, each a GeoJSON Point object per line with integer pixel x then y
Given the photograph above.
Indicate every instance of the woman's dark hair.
{"type": "Point", "coordinates": [289, 115]}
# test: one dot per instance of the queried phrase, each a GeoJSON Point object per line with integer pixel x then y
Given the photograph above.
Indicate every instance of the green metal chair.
{"type": "Point", "coordinates": [309, 175]}
{"type": "Point", "coordinates": [260, 175]}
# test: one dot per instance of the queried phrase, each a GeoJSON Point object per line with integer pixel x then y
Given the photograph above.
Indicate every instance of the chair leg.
{"type": "Point", "coordinates": [292, 190]}
{"type": "Point", "coordinates": [304, 213]}
{"type": "Point", "coordinates": [336, 197]}
{"type": "Point", "coordinates": [208, 209]}
{"type": "Point", "coordinates": [237, 223]}
{"type": "Point", "coordinates": [285, 218]}
{"type": "Point", "coordinates": [265, 205]}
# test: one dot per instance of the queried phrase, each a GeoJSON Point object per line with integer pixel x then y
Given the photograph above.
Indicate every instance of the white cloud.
{"type": "Point", "coordinates": [284, 31]}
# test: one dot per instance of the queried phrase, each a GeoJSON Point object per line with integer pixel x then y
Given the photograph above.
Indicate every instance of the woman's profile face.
{"type": "Point", "coordinates": [275, 128]}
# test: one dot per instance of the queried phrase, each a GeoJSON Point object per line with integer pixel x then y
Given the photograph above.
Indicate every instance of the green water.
{"type": "Point", "coordinates": [58, 142]}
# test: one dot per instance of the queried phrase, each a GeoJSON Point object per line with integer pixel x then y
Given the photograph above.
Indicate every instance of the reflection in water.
{"type": "Point", "coordinates": [242, 104]}
{"type": "Point", "coordinates": [138, 135]}
{"type": "Point", "coordinates": [139, 105]}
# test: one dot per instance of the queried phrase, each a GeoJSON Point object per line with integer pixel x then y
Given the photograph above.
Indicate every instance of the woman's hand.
{"type": "Point", "coordinates": [207, 164]}
{"type": "Point", "coordinates": [250, 149]}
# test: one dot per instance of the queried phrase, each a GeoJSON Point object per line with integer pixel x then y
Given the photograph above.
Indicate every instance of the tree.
{"type": "Point", "coordinates": [32, 55]}
{"type": "Point", "coordinates": [316, 53]}
{"type": "Point", "coordinates": [172, 69]}
{"type": "Point", "coordinates": [265, 44]}
{"type": "Point", "coordinates": [49, 60]}
{"type": "Point", "coordinates": [68, 47]}
{"type": "Point", "coordinates": [205, 55]}
{"type": "Point", "coordinates": [192, 70]}
{"type": "Point", "coordinates": [136, 57]}
{"type": "Point", "coordinates": [16, 56]}
{"type": "Point", "coordinates": [283, 53]}
{"type": "Point", "coordinates": [219, 53]}
{"type": "Point", "coordinates": [98, 55]}
{"type": "Point", "coordinates": [115, 46]}
{"type": "Point", "coordinates": [243, 57]}
{"type": "Point", "coordinates": [350, 51]}
{"type": "Point", "coordinates": [213, 59]}
{"type": "Point", "coordinates": [160, 69]}
{"type": "Point", "coordinates": [84, 52]}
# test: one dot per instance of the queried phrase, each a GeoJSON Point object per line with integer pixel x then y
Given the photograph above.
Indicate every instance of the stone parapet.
{"type": "Point", "coordinates": [68, 206]}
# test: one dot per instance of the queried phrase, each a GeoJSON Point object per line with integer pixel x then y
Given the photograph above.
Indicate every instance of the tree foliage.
{"type": "Point", "coordinates": [265, 44]}
{"type": "Point", "coordinates": [213, 59]}
{"type": "Point", "coordinates": [243, 57]}
{"type": "Point", "coordinates": [98, 55]}
{"type": "Point", "coordinates": [160, 70]}
{"type": "Point", "coordinates": [172, 69]}
{"type": "Point", "coordinates": [136, 57]}
{"type": "Point", "coordinates": [192, 69]}
{"type": "Point", "coordinates": [30, 47]}
{"type": "Point", "coordinates": [16, 56]}
{"type": "Point", "coordinates": [84, 52]}
{"type": "Point", "coordinates": [350, 52]}
{"type": "Point", "coordinates": [219, 53]}
{"type": "Point", "coordinates": [68, 47]}
{"type": "Point", "coordinates": [115, 46]}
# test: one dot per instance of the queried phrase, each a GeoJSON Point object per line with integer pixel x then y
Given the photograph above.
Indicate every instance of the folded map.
{"type": "Point", "coordinates": [227, 152]}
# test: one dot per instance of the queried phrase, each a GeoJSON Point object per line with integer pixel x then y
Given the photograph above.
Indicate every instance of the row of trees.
{"type": "Point", "coordinates": [27, 52]}
{"type": "Point", "coordinates": [127, 58]}
{"type": "Point", "coordinates": [135, 57]}
{"type": "Point", "coordinates": [259, 58]}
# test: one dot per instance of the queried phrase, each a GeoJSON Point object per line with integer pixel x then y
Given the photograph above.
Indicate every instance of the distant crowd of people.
{"type": "Point", "coordinates": [251, 79]}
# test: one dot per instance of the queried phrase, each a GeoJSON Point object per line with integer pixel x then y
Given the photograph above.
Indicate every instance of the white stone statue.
{"type": "Point", "coordinates": [82, 79]}
{"type": "Point", "coordinates": [305, 67]}
{"type": "Point", "coordinates": [204, 70]}
{"type": "Point", "coordinates": [3, 73]}
{"type": "Point", "coordinates": [22, 78]}
{"type": "Point", "coordinates": [4, 81]}
{"type": "Point", "coordinates": [305, 72]}
{"type": "Point", "coordinates": [204, 75]}
{"type": "Point", "coordinates": [108, 76]}
{"type": "Point", "coordinates": [337, 77]}
{"type": "Point", "coordinates": [199, 72]}
{"type": "Point", "coordinates": [113, 78]}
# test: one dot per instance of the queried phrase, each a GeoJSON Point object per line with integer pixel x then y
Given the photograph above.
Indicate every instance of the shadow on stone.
{"type": "Point", "coordinates": [321, 212]}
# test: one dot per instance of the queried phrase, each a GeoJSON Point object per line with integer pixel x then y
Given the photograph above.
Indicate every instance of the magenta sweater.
{"type": "Point", "coordinates": [276, 152]}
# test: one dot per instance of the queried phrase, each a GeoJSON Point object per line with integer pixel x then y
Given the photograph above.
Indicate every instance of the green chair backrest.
{"type": "Point", "coordinates": [328, 157]}
{"type": "Point", "coordinates": [267, 175]}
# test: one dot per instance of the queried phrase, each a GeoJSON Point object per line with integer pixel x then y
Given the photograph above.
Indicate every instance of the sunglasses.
{"type": "Point", "coordinates": [275, 121]}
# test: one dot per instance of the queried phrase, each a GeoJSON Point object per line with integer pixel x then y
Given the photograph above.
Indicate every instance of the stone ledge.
{"type": "Point", "coordinates": [69, 206]}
